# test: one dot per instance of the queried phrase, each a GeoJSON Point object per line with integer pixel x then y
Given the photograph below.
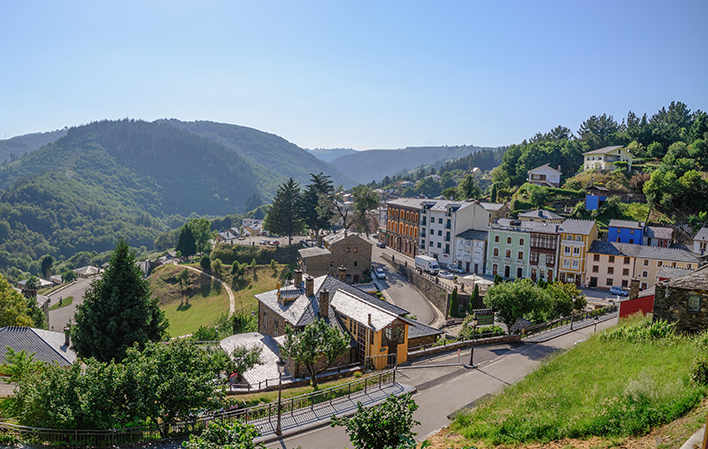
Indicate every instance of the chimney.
{"type": "Point", "coordinates": [324, 303]}
{"type": "Point", "coordinates": [634, 289]}
{"type": "Point", "coordinates": [67, 336]}
{"type": "Point", "coordinates": [559, 167]}
{"type": "Point", "coordinates": [370, 325]}
{"type": "Point", "coordinates": [342, 273]}
{"type": "Point", "coordinates": [298, 278]}
{"type": "Point", "coordinates": [277, 292]}
{"type": "Point", "coordinates": [309, 286]}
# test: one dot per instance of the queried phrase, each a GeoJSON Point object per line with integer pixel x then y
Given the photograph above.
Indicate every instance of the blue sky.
{"type": "Point", "coordinates": [351, 74]}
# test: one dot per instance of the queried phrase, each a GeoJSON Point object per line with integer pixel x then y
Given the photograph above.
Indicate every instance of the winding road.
{"type": "Point", "coordinates": [232, 299]}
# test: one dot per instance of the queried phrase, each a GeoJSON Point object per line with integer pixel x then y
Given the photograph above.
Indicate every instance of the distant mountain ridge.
{"type": "Point", "coordinates": [15, 147]}
{"type": "Point", "coordinates": [373, 165]}
{"type": "Point", "coordinates": [330, 154]}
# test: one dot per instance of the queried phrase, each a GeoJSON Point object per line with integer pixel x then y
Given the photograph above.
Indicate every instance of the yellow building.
{"type": "Point", "coordinates": [575, 240]}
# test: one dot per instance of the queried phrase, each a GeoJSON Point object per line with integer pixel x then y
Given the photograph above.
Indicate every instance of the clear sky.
{"type": "Point", "coordinates": [351, 74]}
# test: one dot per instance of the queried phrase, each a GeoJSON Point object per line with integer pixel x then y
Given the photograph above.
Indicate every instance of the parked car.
{"type": "Point", "coordinates": [275, 242]}
{"type": "Point", "coordinates": [381, 245]}
{"type": "Point", "coordinates": [619, 291]}
{"type": "Point", "coordinates": [456, 270]}
{"type": "Point", "coordinates": [380, 273]}
{"type": "Point", "coordinates": [427, 264]}
{"type": "Point", "coordinates": [446, 275]}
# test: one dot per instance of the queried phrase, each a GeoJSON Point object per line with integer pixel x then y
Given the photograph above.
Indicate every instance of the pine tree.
{"type": "Point", "coordinates": [285, 217]}
{"type": "Point", "coordinates": [117, 311]}
{"type": "Point", "coordinates": [186, 245]}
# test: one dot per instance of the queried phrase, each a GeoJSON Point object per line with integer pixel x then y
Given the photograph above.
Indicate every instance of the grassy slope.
{"type": "Point", "coordinates": [207, 299]}
{"type": "Point", "coordinates": [571, 395]}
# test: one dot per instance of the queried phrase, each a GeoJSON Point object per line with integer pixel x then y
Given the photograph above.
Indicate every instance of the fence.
{"type": "Point", "coordinates": [256, 415]}
{"type": "Point", "coordinates": [576, 317]}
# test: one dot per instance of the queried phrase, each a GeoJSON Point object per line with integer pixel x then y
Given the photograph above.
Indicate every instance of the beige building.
{"type": "Point", "coordinates": [616, 264]}
{"type": "Point", "coordinates": [605, 158]}
{"type": "Point", "coordinates": [576, 236]}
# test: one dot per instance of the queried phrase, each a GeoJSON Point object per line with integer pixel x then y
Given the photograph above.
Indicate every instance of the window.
{"type": "Point", "coordinates": [673, 265]}
{"type": "Point", "coordinates": [626, 260]}
{"type": "Point", "coordinates": [439, 245]}
{"type": "Point", "coordinates": [610, 270]}
{"type": "Point", "coordinates": [624, 283]}
{"type": "Point", "coordinates": [612, 259]}
{"type": "Point", "coordinates": [609, 282]}
{"type": "Point", "coordinates": [508, 254]}
{"type": "Point", "coordinates": [694, 303]}
{"type": "Point", "coordinates": [356, 263]}
{"type": "Point", "coordinates": [439, 233]}
{"type": "Point", "coordinates": [596, 257]}
{"type": "Point", "coordinates": [576, 250]}
{"type": "Point", "coordinates": [507, 271]}
{"type": "Point", "coordinates": [495, 268]}
{"type": "Point", "coordinates": [521, 255]}
{"type": "Point", "coordinates": [519, 273]}
{"type": "Point", "coordinates": [646, 262]}
{"type": "Point", "coordinates": [496, 238]}
{"type": "Point", "coordinates": [566, 250]}
{"type": "Point", "coordinates": [508, 240]}
{"type": "Point", "coordinates": [440, 220]}
{"type": "Point", "coordinates": [644, 285]}
{"type": "Point", "coordinates": [447, 236]}
{"type": "Point", "coordinates": [595, 269]}
{"type": "Point", "coordinates": [631, 240]}
{"type": "Point", "coordinates": [659, 263]}
{"type": "Point", "coordinates": [496, 252]}
{"type": "Point", "coordinates": [645, 274]}
{"type": "Point", "coordinates": [625, 272]}
{"type": "Point", "coordinates": [521, 241]}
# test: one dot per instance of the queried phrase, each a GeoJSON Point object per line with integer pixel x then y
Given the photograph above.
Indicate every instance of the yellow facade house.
{"type": "Point", "coordinates": [575, 240]}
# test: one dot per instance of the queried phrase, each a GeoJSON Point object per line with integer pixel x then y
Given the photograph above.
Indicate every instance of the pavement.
{"type": "Point", "coordinates": [446, 386]}
{"type": "Point", "coordinates": [60, 317]}
{"type": "Point", "coordinates": [404, 294]}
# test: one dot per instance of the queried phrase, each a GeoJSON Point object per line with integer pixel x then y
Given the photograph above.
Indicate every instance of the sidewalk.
{"type": "Point", "coordinates": [306, 419]}
{"type": "Point", "coordinates": [556, 332]}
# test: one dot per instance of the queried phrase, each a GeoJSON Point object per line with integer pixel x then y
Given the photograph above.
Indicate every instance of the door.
{"type": "Point", "coordinates": [507, 271]}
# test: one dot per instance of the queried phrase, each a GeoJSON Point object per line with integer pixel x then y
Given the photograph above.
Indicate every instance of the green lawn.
{"type": "Point", "coordinates": [599, 388]}
{"type": "Point", "coordinates": [65, 302]}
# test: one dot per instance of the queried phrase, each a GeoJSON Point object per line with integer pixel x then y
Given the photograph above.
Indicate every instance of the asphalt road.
{"type": "Point", "coordinates": [404, 294]}
{"type": "Point", "coordinates": [59, 317]}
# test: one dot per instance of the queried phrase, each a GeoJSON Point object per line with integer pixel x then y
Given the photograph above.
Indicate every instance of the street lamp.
{"type": "Point", "coordinates": [281, 371]}
{"type": "Point", "coordinates": [474, 328]}
{"type": "Point", "coordinates": [597, 318]}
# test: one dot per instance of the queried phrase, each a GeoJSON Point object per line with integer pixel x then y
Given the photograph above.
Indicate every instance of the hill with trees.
{"type": "Point", "coordinates": [133, 179]}
{"type": "Point", "coordinates": [330, 154]}
{"type": "Point", "coordinates": [13, 148]}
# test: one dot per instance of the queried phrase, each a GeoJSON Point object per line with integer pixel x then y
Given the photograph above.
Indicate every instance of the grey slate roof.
{"type": "Point", "coordinates": [702, 234]}
{"type": "Point", "coordinates": [314, 251]}
{"type": "Point", "coordinates": [698, 280]}
{"type": "Point", "coordinates": [544, 166]}
{"type": "Point", "coordinates": [540, 213]}
{"type": "Point", "coordinates": [414, 203]}
{"type": "Point", "coordinates": [645, 252]}
{"type": "Point", "coordinates": [491, 206]}
{"type": "Point", "coordinates": [416, 329]}
{"type": "Point", "coordinates": [48, 346]}
{"type": "Point", "coordinates": [270, 354]}
{"type": "Point", "coordinates": [339, 236]}
{"type": "Point", "coordinates": [604, 150]}
{"type": "Point", "coordinates": [660, 232]}
{"type": "Point", "coordinates": [571, 226]}
{"type": "Point", "coordinates": [535, 226]}
{"type": "Point", "coordinates": [671, 273]}
{"type": "Point", "coordinates": [625, 224]}
{"type": "Point", "coordinates": [472, 234]}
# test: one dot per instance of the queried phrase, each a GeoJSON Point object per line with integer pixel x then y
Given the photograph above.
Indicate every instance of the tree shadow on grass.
{"type": "Point", "coordinates": [183, 307]}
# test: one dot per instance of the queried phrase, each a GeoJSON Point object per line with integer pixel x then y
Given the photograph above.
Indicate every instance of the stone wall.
{"type": "Point", "coordinates": [269, 322]}
{"type": "Point", "coordinates": [671, 304]}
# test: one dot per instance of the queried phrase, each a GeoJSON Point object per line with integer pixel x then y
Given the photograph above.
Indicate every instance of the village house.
{"type": "Point", "coordinates": [625, 231]}
{"type": "Point", "coordinates": [496, 210]}
{"type": "Point", "coordinates": [576, 236]}
{"type": "Point", "coordinates": [471, 251]}
{"type": "Point", "coordinates": [227, 237]}
{"type": "Point", "coordinates": [379, 331]}
{"type": "Point", "coordinates": [700, 242]}
{"type": "Point", "coordinates": [605, 158]}
{"type": "Point", "coordinates": [508, 249]}
{"type": "Point", "coordinates": [350, 252]}
{"type": "Point", "coordinates": [658, 236]}
{"type": "Point", "coordinates": [541, 216]}
{"type": "Point", "coordinates": [47, 346]}
{"type": "Point", "coordinates": [545, 175]}
{"type": "Point", "coordinates": [684, 301]}
{"type": "Point", "coordinates": [616, 264]}
{"type": "Point", "coordinates": [595, 196]}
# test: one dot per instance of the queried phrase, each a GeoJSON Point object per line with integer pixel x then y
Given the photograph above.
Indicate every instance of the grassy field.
{"type": "Point", "coordinates": [601, 388]}
{"type": "Point", "coordinates": [207, 299]}
{"type": "Point", "coordinates": [65, 302]}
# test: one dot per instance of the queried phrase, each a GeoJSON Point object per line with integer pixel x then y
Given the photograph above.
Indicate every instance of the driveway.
{"type": "Point", "coordinates": [404, 294]}
{"type": "Point", "coordinates": [60, 317]}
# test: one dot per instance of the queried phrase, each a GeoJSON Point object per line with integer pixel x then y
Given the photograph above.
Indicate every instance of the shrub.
{"type": "Point", "coordinates": [642, 331]}
{"type": "Point", "coordinates": [217, 435]}
{"type": "Point", "coordinates": [699, 371]}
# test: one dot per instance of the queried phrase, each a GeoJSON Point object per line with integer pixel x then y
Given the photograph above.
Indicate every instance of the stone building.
{"type": "Point", "coordinates": [351, 252]}
{"type": "Point", "coordinates": [684, 301]}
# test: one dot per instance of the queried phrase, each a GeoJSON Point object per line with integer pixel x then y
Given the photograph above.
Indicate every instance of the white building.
{"type": "Point", "coordinates": [471, 251]}
{"type": "Point", "coordinates": [545, 175]}
{"type": "Point", "coordinates": [700, 242]}
{"type": "Point", "coordinates": [442, 220]}
{"type": "Point", "coordinates": [605, 158]}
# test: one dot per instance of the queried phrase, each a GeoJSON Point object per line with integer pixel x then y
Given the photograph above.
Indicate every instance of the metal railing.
{"type": "Point", "coordinates": [574, 318]}
{"type": "Point", "coordinates": [259, 414]}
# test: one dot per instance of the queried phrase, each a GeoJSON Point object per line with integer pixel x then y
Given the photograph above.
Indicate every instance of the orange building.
{"type": "Point", "coordinates": [403, 228]}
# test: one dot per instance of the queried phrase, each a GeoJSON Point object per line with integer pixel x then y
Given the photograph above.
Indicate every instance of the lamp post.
{"type": "Point", "coordinates": [597, 318]}
{"type": "Point", "coordinates": [474, 328]}
{"type": "Point", "coordinates": [281, 371]}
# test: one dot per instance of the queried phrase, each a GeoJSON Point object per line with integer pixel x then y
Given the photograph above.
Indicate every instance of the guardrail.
{"type": "Point", "coordinates": [536, 328]}
{"type": "Point", "coordinates": [259, 414]}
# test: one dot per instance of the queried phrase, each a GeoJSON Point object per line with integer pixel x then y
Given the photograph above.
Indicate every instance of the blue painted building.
{"type": "Point", "coordinates": [625, 231]}
{"type": "Point", "coordinates": [595, 196]}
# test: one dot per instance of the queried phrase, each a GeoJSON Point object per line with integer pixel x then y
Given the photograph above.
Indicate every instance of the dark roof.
{"type": "Point", "coordinates": [492, 206]}
{"type": "Point", "coordinates": [625, 224]}
{"type": "Point", "coordinates": [702, 234]}
{"type": "Point", "coordinates": [577, 226]}
{"type": "Point", "coordinates": [604, 150]}
{"type": "Point", "coordinates": [540, 213]}
{"type": "Point", "coordinates": [698, 280]}
{"type": "Point", "coordinates": [314, 251]}
{"type": "Point", "coordinates": [331, 284]}
{"type": "Point", "coordinates": [47, 346]}
{"type": "Point", "coordinates": [416, 329]}
{"type": "Point", "coordinates": [671, 273]}
{"type": "Point", "coordinates": [645, 252]}
{"type": "Point", "coordinates": [545, 166]}
{"type": "Point", "coordinates": [339, 236]}
{"type": "Point", "coordinates": [660, 232]}
{"type": "Point", "coordinates": [471, 234]}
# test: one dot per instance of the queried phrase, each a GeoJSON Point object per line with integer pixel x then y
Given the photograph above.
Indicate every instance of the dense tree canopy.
{"type": "Point", "coordinates": [285, 215]}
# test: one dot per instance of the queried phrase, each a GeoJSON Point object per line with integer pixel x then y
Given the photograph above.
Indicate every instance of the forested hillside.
{"type": "Point", "coordinates": [330, 154]}
{"type": "Point", "coordinates": [374, 165]}
{"type": "Point", "coordinates": [13, 148]}
{"type": "Point", "coordinates": [133, 179]}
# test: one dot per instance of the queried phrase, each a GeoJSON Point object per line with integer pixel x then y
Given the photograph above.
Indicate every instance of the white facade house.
{"type": "Point", "coordinates": [471, 251]}
{"type": "Point", "coordinates": [605, 158]}
{"type": "Point", "coordinates": [700, 242]}
{"type": "Point", "coordinates": [545, 175]}
{"type": "Point", "coordinates": [442, 220]}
